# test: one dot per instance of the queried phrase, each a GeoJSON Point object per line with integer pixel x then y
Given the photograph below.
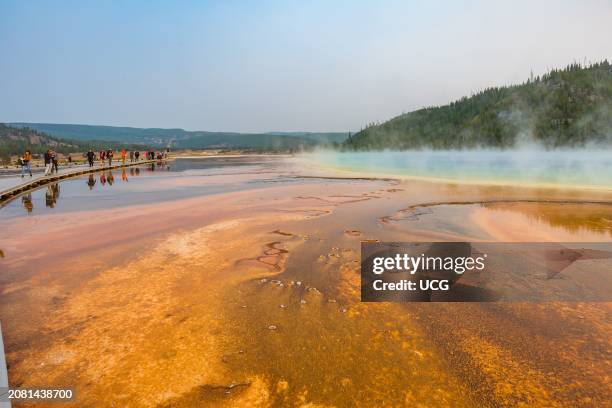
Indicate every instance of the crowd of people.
{"type": "Point", "coordinates": [51, 163]}
{"type": "Point", "coordinates": [50, 160]}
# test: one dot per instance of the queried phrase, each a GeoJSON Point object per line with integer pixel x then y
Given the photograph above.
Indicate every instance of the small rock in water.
{"type": "Point", "coordinates": [344, 310]}
{"type": "Point", "coordinates": [331, 300]}
{"type": "Point", "coordinates": [303, 301]}
{"type": "Point", "coordinates": [299, 283]}
{"type": "Point", "coordinates": [272, 327]}
{"type": "Point", "coordinates": [282, 306]}
{"type": "Point", "coordinates": [264, 280]}
{"type": "Point", "coordinates": [243, 306]}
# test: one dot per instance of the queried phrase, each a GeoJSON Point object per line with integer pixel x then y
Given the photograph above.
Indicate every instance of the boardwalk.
{"type": "Point", "coordinates": [41, 180]}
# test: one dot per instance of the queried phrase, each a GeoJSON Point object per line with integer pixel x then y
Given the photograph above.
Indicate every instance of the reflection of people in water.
{"type": "Point", "coordinates": [91, 182]}
{"type": "Point", "coordinates": [26, 200]}
{"type": "Point", "coordinates": [137, 171]}
{"type": "Point", "coordinates": [124, 176]}
{"type": "Point", "coordinates": [110, 178]}
{"type": "Point", "coordinates": [52, 194]}
{"type": "Point", "coordinates": [102, 178]}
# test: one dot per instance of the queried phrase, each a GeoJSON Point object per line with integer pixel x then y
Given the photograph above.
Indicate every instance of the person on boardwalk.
{"type": "Point", "coordinates": [54, 160]}
{"type": "Point", "coordinates": [131, 156]}
{"type": "Point", "coordinates": [91, 157]}
{"type": "Point", "coordinates": [123, 155]}
{"type": "Point", "coordinates": [109, 156]}
{"type": "Point", "coordinates": [137, 155]}
{"type": "Point", "coordinates": [102, 157]}
{"type": "Point", "coordinates": [48, 162]}
{"type": "Point", "coordinates": [26, 164]}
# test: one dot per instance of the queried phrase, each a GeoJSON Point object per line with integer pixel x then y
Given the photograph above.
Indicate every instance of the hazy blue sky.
{"type": "Point", "coordinates": [292, 65]}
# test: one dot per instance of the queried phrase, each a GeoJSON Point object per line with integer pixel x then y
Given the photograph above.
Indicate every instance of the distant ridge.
{"type": "Point", "coordinates": [184, 139]}
{"type": "Point", "coordinates": [567, 107]}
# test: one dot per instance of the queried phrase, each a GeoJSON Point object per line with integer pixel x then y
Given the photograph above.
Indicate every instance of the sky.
{"type": "Point", "coordinates": [253, 66]}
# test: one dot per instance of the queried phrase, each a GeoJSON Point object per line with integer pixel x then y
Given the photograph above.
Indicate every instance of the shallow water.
{"type": "Point", "coordinates": [586, 168]}
{"type": "Point", "coordinates": [514, 221]}
{"type": "Point", "coordinates": [179, 179]}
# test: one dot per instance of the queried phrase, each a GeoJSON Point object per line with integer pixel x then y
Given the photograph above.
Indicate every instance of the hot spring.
{"type": "Point", "coordinates": [582, 168]}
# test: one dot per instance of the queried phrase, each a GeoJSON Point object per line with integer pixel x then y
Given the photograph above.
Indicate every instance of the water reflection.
{"type": "Point", "coordinates": [105, 178]}
{"type": "Point", "coordinates": [26, 200]}
{"type": "Point", "coordinates": [52, 194]}
{"type": "Point", "coordinates": [91, 181]}
{"type": "Point", "coordinates": [570, 217]}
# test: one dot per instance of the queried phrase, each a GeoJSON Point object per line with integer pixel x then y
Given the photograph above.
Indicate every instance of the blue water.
{"type": "Point", "coordinates": [587, 168]}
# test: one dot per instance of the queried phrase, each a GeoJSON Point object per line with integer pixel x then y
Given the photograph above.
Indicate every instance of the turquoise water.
{"type": "Point", "coordinates": [589, 168]}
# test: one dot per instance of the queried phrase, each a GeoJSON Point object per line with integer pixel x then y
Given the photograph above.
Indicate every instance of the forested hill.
{"type": "Point", "coordinates": [567, 107]}
{"type": "Point", "coordinates": [14, 141]}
